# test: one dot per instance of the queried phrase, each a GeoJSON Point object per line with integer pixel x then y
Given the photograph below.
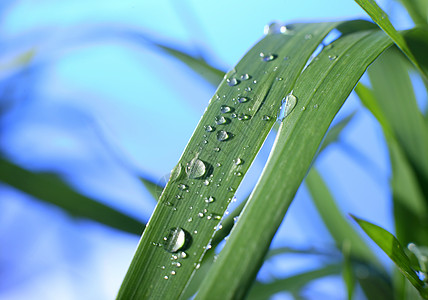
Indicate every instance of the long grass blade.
{"type": "Point", "coordinates": [321, 90]}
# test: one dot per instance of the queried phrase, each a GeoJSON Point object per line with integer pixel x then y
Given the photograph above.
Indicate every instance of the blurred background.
{"type": "Point", "coordinates": [87, 98]}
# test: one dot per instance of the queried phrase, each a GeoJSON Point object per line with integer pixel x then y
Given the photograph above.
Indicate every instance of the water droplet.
{"type": "Point", "coordinates": [214, 216]}
{"type": "Point", "coordinates": [245, 76]}
{"type": "Point", "coordinates": [332, 57]}
{"type": "Point", "coordinates": [196, 168]}
{"type": "Point", "coordinates": [206, 182]}
{"type": "Point", "coordinates": [223, 135]}
{"type": "Point", "coordinates": [165, 277]}
{"type": "Point", "coordinates": [279, 78]}
{"type": "Point", "coordinates": [238, 161]}
{"type": "Point", "coordinates": [248, 89]}
{"type": "Point", "coordinates": [239, 174]}
{"type": "Point", "coordinates": [243, 99]}
{"type": "Point", "coordinates": [225, 109]}
{"type": "Point", "coordinates": [197, 266]}
{"type": "Point", "coordinates": [209, 199]}
{"type": "Point", "coordinates": [209, 128]}
{"type": "Point", "coordinates": [303, 108]}
{"type": "Point", "coordinates": [254, 81]}
{"type": "Point", "coordinates": [217, 149]}
{"type": "Point", "coordinates": [243, 117]}
{"type": "Point", "coordinates": [182, 187]}
{"type": "Point", "coordinates": [308, 36]}
{"type": "Point", "coordinates": [173, 273]}
{"type": "Point", "coordinates": [183, 254]}
{"type": "Point", "coordinates": [177, 173]}
{"type": "Point", "coordinates": [316, 106]}
{"type": "Point", "coordinates": [231, 189]}
{"type": "Point", "coordinates": [178, 265]}
{"type": "Point", "coordinates": [220, 120]}
{"type": "Point", "coordinates": [276, 28]}
{"type": "Point", "coordinates": [232, 81]}
{"type": "Point", "coordinates": [267, 56]}
{"type": "Point", "coordinates": [266, 118]}
{"type": "Point", "coordinates": [177, 239]}
{"type": "Point", "coordinates": [218, 164]}
{"type": "Point", "coordinates": [287, 106]}
{"type": "Point", "coordinates": [189, 220]}
{"type": "Point", "coordinates": [201, 215]}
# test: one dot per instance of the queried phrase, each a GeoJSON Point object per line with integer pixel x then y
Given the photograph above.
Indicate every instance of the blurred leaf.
{"type": "Point", "coordinates": [381, 19]}
{"type": "Point", "coordinates": [392, 247]}
{"type": "Point", "coordinates": [348, 272]}
{"type": "Point", "coordinates": [293, 284]}
{"type": "Point", "coordinates": [50, 189]}
{"type": "Point", "coordinates": [154, 189]}
{"type": "Point", "coordinates": [333, 134]}
{"type": "Point", "coordinates": [321, 90]}
{"type": "Point", "coordinates": [342, 232]}
{"type": "Point", "coordinates": [418, 10]}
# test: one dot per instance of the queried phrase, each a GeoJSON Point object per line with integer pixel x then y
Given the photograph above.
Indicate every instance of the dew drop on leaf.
{"type": "Point", "coordinates": [232, 81]}
{"type": "Point", "coordinates": [175, 240]}
{"type": "Point", "coordinates": [182, 187]}
{"type": "Point", "coordinates": [238, 161]}
{"type": "Point", "coordinates": [220, 120]}
{"type": "Point", "coordinates": [209, 199]}
{"type": "Point", "coordinates": [245, 76]}
{"type": "Point", "coordinates": [196, 168]}
{"type": "Point", "coordinates": [243, 99]}
{"type": "Point", "coordinates": [287, 106]}
{"type": "Point", "coordinates": [267, 56]}
{"type": "Point", "coordinates": [222, 135]}
{"type": "Point", "coordinates": [225, 109]}
{"type": "Point", "coordinates": [209, 128]}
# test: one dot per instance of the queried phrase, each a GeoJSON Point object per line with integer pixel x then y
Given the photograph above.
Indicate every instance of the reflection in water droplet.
{"type": "Point", "coordinates": [243, 117]}
{"type": "Point", "coordinates": [287, 106]}
{"type": "Point", "coordinates": [332, 57]}
{"type": "Point", "coordinates": [223, 135]}
{"type": "Point", "coordinates": [182, 187]}
{"type": "Point", "coordinates": [220, 120]}
{"type": "Point", "coordinates": [232, 81]}
{"type": "Point", "coordinates": [245, 76]}
{"type": "Point", "coordinates": [243, 99]}
{"type": "Point", "coordinates": [209, 128]}
{"type": "Point", "coordinates": [175, 240]}
{"type": "Point", "coordinates": [196, 168]}
{"type": "Point", "coordinates": [238, 161]}
{"type": "Point", "coordinates": [209, 199]}
{"type": "Point", "coordinates": [267, 57]}
{"type": "Point", "coordinates": [225, 109]}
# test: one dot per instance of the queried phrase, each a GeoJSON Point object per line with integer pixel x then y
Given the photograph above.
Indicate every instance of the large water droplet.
{"type": "Point", "coordinates": [223, 135]}
{"type": "Point", "coordinates": [225, 109]}
{"type": "Point", "coordinates": [220, 120]}
{"type": "Point", "coordinates": [288, 104]}
{"type": "Point", "coordinates": [267, 56]}
{"type": "Point", "coordinates": [196, 168]}
{"type": "Point", "coordinates": [232, 81]}
{"type": "Point", "coordinates": [176, 239]}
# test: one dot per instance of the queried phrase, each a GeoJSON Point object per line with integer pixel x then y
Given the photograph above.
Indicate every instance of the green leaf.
{"type": "Point", "coordinates": [255, 99]}
{"type": "Point", "coordinates": [381, 19]}
{"type": "Point", "coordinates": [342, 232]}
{"type": "Point", "coordinates": [418, 10]}
{"type": "Point", "coordinates": [348, 272]}
{"type": "Point", "coordinates": [321, 90]}
{"type": "Point", "coordinates": [392, 247]}
{"type": "Point", "coordinates": [291, 284]}
{"type": "Point", "coordinates": [335, 131]}
{"type": "Point", "coordinates": [50, 189]}
{"type": "Point", "coordinates": [154, 189]}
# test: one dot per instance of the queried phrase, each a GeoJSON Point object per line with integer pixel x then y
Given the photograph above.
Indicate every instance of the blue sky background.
{"type": "Point", "coordinates": [99, 109]}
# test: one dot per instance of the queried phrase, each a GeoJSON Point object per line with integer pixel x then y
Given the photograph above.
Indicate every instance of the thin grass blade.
{"type": "Point", "coordinates": [50, 189]}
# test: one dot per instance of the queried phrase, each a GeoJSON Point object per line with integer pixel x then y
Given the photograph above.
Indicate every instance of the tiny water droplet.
{"type": "Point", "coordinates": [248, 89]}
{"type": "Point", "coordinates": [196, 168]}
{"type": "Point", "coordinates": [279, 78]}
{"type": "Point", "coordinates": [220, 120]}
{"type": "Point", "coordinates": [182, 187]}
{"type": "Point", "coordinates": [218, 164]}
{"type": "Point", "coordinates": [266, 118]}
{"type": "Point", "coordinates": [225, 109]}
{"type": "Point", "coordinates": [238, 161]}
{"type": "Point", "coordinates": [303, 108]}
{"type": "Point", "coordinates": [183, 254]}
{"type": "Point", "coordinates": [245, 76]}
{"type": "Point", "coordinates": [223, 135]}
{"type": "Point", "coordinates": [206, 182]}
{"type": "Point", "coordinates": [287, 106]}
{"type": "Point", "coordinates": [232, 81]}
{"type": "Point", "coordinates": [209, 199]}
{"type": "Point", "coordinates": [231, 189]}
{"type": "Point", "coordinates": [175, 240]}
{"type": "Point", "coordinates": [173, 273]}
{"type": "Point", "coordinates": [332, 57]}
{"type": "Point", "coordinates": [254, 81]}
{"type": "Point", "coordinates": [243, 99]}
{"type": "Point", "coordinates": [267, 56]}
{"type": "Point", "coordinates": [189, 220]}
{"type": "Point", "coordinates": [239, 174]}
{"type": "Point", "coordinates": [197, 266]}
{"type": "Point", "coordinates": [201, 215]}
{"type": "Point", "coordinates": [165, 277]}
{"type": "Point", "coordinates": [209, 128]}
{"type": "Point", "coordinates": [243, 117]}
{"type": "Point", "coordinates": [217, 149]}
{"type": "Point", "coordinates": [316, 106]}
